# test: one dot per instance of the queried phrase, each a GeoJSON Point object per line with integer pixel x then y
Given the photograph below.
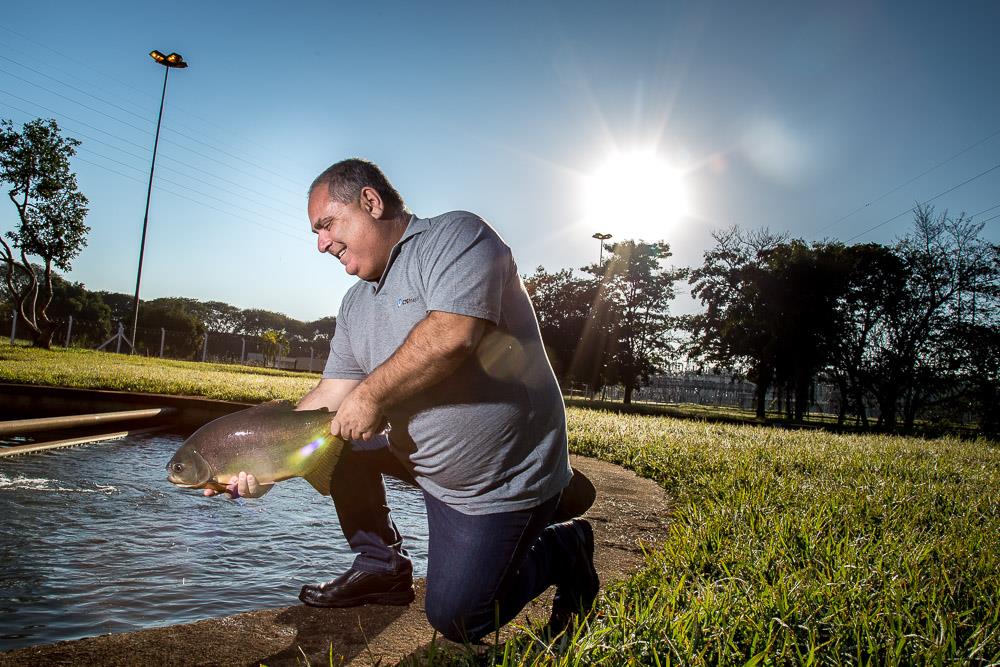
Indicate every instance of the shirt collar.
{"type": "Point", "coordinates": [413, 227]}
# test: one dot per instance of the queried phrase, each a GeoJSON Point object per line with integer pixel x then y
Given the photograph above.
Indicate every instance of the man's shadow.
{"type": "Point", "coordinates": [318, 632]}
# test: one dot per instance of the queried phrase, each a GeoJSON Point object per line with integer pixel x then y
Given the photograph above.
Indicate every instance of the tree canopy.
{"type": "Point", "coordinates": [34, 162]}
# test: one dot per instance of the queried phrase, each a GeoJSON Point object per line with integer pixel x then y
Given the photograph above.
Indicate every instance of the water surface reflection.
{"type": "Point", "coordinates": [95, 540]}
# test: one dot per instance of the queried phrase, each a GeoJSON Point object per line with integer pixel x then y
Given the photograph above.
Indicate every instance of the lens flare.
{"type": "Point", "coordinates": [636, 194]}
{"type": "Point", "coordinates": [308, 450]}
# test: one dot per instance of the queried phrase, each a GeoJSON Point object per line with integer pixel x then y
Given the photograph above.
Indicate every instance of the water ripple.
{"type": "Point", "coordinates": [95, 540]}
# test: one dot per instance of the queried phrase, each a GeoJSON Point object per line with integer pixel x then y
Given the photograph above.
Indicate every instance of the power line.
{"type": "Point", "coordinates": [146, 131]}
{"type": "Point", "coordinates": [181, 185]}
{"type": "Point", "coordinates": [149, 96]}
{"type": "Point", "coordinates": [985, 210]}
{"type": "Point", "coordinates": [79, 90]}
{"type": "Point", "coordinates": [190, 199]}
{"type": "Point", "coordinates": [147, 150]}
{"type": "Point", "coordinates": [903, 185]}
{"type": "Point", "coordinates": [161, 178]}
{"type": "Point", "coordinates": [924, 203]}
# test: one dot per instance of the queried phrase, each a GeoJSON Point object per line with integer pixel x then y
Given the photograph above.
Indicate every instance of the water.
{"type": "Point", "coordinates": [95, 540]}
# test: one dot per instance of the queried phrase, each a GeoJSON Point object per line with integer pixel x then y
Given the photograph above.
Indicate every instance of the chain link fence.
{"type": "Point", "coordinates": [211, 346]}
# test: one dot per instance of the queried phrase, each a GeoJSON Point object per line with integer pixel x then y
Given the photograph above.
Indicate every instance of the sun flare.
{"type": "Point", "coordinates": [636, 195]}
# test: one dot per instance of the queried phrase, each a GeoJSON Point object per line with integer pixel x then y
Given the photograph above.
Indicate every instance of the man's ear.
{"type": "Point", "coordinates": [371, 201]}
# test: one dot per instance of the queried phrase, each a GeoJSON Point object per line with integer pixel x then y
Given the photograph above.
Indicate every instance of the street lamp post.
{"type": "Point", "coordinates": [601, 238]}
{"type": "Point", "coordinates": [168, 62]}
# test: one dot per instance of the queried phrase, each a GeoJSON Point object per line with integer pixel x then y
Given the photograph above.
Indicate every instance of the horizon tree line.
{"type": "Point", "coordinates": [912, 327]}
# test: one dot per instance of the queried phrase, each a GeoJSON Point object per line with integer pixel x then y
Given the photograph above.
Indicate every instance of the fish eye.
{"type": "Point", "coordinates": [178, 467]}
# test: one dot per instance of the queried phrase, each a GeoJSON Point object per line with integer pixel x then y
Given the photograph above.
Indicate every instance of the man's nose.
{"type": "Point", "coordinates": [323, 242]}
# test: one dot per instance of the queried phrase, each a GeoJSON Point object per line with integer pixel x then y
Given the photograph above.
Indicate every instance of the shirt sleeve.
{"type": "Point", "coordinates": [466, 268]}
{"type": "Point", "coordinates": [342, 364]}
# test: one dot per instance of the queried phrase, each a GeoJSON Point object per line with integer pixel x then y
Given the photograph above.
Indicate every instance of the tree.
{"type": "Point", "coordinates": [51, 212]}
{"type": "Point", "coordinates": [875, 281]}
{"type": "Point", "coordinates": [633, 299]}
{"type": "Point", "coordinates": [275, 345]}
{"type": "Point", "coordinates": [187, 332]}
{"type": "Point", "coordinates": [915, 361]}
{"type": "Point", "coordinates": [563, 305]}
{"type": "Point", "coordinates": [736, 329]}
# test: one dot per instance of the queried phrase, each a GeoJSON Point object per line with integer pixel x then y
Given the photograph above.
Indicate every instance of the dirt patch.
{"type": "Point", "coordinates": [629, 512]}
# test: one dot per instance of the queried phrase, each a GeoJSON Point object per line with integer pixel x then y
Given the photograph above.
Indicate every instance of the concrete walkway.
{"type": "Point", "coordinates": [629, 511]}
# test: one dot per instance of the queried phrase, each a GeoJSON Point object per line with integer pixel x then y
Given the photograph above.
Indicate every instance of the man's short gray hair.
{"type": "Point", "coordinates": [344, 181]}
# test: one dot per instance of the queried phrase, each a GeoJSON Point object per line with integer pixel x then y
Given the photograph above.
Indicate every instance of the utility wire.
{"type": "Point", "coordinates": [148, 95]}
{"type": "Point", "coordinates": [924, 203]}
{"type": "Point", "coordinates": [903, 185]}
{"type": "Point", "coordinates": [145, 149]}
{"type": "Point", "coordinates": [186, 187]}
{"type": "Point", "coordinates": [985, 210]}
{"type": "Point", "coordinates": [144, 130]}
{"type": "Point", "coordinates": [147, 131]}
{"type": "Point", "coordinates": [79, 90]}
{"type": "Point", "coordinates": [190, 199]}
{"type": "Point", "coordinates": [159, 178]}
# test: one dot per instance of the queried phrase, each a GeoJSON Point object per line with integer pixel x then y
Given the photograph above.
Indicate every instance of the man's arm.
{"type": "Point", "coordinates": [432, 351]}
{"type": "Point", "coordinates": [329, 394]}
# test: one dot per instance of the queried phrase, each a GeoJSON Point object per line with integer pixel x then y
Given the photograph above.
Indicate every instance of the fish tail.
{"type": "Point", "coordinates": [319, 475]}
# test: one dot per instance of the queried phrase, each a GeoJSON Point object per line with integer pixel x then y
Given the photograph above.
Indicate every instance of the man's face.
{"type": "Point", "coordinates": [350, 233]}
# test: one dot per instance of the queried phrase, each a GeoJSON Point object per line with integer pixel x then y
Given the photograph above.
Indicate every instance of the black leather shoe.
{"type": "Point", "coordinates": [576, 593]}
{"type": "Point", "coordinates": [354, 588]}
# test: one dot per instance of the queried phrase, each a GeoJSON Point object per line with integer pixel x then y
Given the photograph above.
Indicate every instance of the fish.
{"type": "Point", "coordinates": [273, 441]}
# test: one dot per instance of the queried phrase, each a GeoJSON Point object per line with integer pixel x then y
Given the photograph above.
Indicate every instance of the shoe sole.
{"type": "Point", "coordinates": [595, 579]}
{"type": "Point", "coordinates": [398, 598]}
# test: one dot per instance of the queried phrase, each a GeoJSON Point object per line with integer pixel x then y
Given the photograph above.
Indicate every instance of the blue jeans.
{"type": "Point", "coordinates": [481, 570]}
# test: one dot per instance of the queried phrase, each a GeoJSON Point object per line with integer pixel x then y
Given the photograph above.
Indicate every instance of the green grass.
{"type": "Point", "coordinates": [798, 547]}
{"type": "Point", "coordinates": [785, 547]}
{"type": "Point", "coordinates": [101, 370]}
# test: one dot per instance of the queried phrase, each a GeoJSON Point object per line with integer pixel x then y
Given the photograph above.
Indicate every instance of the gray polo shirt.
{"type": "Point", "coordinates": [492, 436]}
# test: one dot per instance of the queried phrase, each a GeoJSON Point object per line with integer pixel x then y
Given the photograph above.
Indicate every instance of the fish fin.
{"type": "Point", "coordinates": [319, 476]}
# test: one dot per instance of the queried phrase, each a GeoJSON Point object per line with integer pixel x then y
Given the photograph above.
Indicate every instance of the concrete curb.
{"type": "Point", "coordinates": [26, 400]}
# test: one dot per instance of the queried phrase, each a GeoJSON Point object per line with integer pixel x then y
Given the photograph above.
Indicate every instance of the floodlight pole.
{"type": "Point", "coordinates": [167, 65]}
{"type": "Point", "coordinates": [601, 238]}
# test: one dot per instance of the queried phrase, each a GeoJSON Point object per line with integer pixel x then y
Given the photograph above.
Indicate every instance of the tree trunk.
{"type": "Point", "coordinates": [801, 398]}
{"type": "Point", "coordinates": [842, 402]}
{"type": "Point", "coordinates": [887, 408]}
{"type": "Point", "coordinates": [760, 395]}
{"type": "Point", "coordinates": [629, 388]}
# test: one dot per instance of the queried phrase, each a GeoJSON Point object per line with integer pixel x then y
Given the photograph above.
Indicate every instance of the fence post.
{"type": "Point", "coordinates": [69, 330]}
{"type": "Point", "coordinates": [243, 349]}
{"type": "Point", "coordinates": [121, 332]}
{"type": "Point", "coordinates": [13, 327]}
{"type": "Point", "coordinates": [310, 358]}
{"type": "Point", "coordinates": [204, 348]}
{"type": "Point", "coordinates": [163, 335]}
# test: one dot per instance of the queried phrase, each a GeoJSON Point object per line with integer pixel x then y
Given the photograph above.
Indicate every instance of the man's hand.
{"type": "Point", "coordinates": [358, 417]}
{"type": "Point", "coordinates": [243, 485]}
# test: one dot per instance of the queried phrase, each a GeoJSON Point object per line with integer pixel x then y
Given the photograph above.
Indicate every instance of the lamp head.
{"type": "Point", "coordinates": [172, 60]}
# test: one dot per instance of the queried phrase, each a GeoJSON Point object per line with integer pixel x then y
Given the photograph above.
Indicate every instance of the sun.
{"type": "Point", "coordinates": [635, 195]}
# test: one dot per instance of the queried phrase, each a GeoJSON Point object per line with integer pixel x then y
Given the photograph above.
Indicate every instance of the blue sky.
{"type": "Point", "coordinates": [785, 115]}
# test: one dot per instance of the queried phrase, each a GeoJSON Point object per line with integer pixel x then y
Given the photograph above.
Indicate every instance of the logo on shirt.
{"type": "Point", "coordinates": [400, 302]}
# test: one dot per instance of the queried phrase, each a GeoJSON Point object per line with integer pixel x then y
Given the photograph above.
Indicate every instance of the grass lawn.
{"type": "Point", "coordinates": [90, 369]}
{"type": "Point", "coordinates": [786, 547]}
